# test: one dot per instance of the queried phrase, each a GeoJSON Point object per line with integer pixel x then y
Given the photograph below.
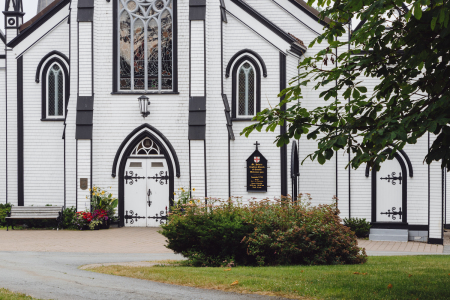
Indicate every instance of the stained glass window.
{"type": "Point", "coordinates": [246, 90]}
{"type": "Point", "coordinates": [145, 45]}
{"type": "Point", "coordinates": [55, 91]}
{"type": "Point", "coordinates": [146, 147]}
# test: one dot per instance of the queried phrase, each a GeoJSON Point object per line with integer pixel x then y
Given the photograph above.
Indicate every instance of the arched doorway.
{"type": "Point", "coordinates": [146, 186]}
{"type": "Point", "coordinates": [146, 163]}
{"type": "Point", "coordinates": [389, 192]}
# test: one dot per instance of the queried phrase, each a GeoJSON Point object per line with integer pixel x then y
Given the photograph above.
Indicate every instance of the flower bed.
{"type": "Point", "coordinates": [103, 211]}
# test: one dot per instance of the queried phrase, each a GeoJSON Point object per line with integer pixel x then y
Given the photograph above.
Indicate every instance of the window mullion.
{"type": "Point", "coordinates": [132, 53]}
{"type": "Point", "coordinates": [246, 71]}
{"type": "Point", "coordinates": [145, 55]}
{"type": "Point", "coordinates": [56, 76]}
{"type": "Point", "coordinates": [159, 54]}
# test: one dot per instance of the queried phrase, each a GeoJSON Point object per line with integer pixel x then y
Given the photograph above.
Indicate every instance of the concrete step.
{"type": "Point", "coordinates": [389, 235]}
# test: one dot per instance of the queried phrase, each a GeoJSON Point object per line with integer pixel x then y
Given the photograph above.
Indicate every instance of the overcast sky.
{"type": "Point", "coordinates": [29, 7]}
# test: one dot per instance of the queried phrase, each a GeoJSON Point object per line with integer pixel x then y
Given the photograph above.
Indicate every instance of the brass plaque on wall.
{"type": "Point", "coordinates": [83, 183]}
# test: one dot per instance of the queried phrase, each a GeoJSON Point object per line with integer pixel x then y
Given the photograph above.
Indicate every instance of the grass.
{"type": "Point", "coordinates": [394, 277]}
{"type": "Point", "coordinates": [8, 295]}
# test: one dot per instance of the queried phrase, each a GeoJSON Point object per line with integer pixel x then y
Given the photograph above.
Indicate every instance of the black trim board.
{"type": "Point", "coordinates": [234, 78]}
{"type": "Point", "coordinates": [44, 87]}
{"type": "Point", "coordinates": [197, 10]}
{"type": "Point", "coordinates": [122, 165]}
{"type": "Point", "coordinates": [2, 37]}
{"type": "Point", "coordinates": [54, 52]}
{"type": "Point", "coordinates": [283, 149]}
{"type": "Point", "coordinates": [271, 26]}
{"type": "Point", "coordinates": [239, 53]}
{"type": "Point", "coordinates": [399, 225]}
{"type": "Point", "coordinates": [436, 241]}
{"type": "Point", "coordinates": [20, 177]}
{"type": "Point", "coordinates": [30, 29]}
{"type": "Point", "coordinates": [136, 130]}
{"type": "Point", "coordinates": [115, 89]}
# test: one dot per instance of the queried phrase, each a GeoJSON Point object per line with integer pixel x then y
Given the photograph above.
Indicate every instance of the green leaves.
{"type": "Point", "coordinates": [403, 61]}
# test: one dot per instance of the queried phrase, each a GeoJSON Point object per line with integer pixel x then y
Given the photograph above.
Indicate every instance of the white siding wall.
{"type": "Point", "coordinates": [85, 57]}
{"type": "Point", "coordinates": [435, 205]}
{"type": "Point", "coordinates": [115, 116]}
{"type": "Point", "coordinates": [216, 131]}
{"type": "Point", "coordinates": [238, 36]}
{"type": "Point", "coordinates": [197, 58]}
{"type": "Point", "coordinates": [198, 168]}
{"type": "Point", "coordinates": [2, 128]}
{"type": "Point", "coordinates": [43, 143]}
{"type": "Point", "coordinates": [84, 171]}
{"type": "Point", "coordinates": [11, 87]}
{"type": "Point", "coordinates": [71, 146]}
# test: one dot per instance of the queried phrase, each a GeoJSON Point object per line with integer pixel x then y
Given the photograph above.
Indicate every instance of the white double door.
{"type": "Point", "coordinates": [146, 192]}
{"type": "Point", "coordinates": [389, 192]}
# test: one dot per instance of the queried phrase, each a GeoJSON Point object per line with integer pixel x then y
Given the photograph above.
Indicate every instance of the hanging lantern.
{"type": "Point", "coordinates": [143, 105]}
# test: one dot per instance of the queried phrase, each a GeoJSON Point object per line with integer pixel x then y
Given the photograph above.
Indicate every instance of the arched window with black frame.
{"type": "Point", "coordinates": [145, 43]}
{"type": "Point", "coordinates": [55, 91]}
{"type": "Point", "coordinates": [246, 88]}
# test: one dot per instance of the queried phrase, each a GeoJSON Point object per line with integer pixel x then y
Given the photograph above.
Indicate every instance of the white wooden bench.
{"type": "Point", "coordinates": [34, 212]}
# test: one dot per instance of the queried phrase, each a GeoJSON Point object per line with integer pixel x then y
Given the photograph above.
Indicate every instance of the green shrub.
{"type": "Point", "coordinates": [69, 217]}
{"type": "Point", "coordinates": [263, 233]}
{"type": "Point", "coordinates": [206, 236]}
{"type": "Point", "coordinates": [359, 226]}
{"type": "Point", "coordinates": [4, 209]}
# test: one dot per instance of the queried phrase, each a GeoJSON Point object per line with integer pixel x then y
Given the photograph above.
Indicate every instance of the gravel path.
{"type": "Point", "coordinates": [55, 275]}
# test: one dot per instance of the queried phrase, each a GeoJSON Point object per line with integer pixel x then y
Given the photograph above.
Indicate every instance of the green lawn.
{"type": "Point", "coordinates": [8, 295]}
{"type": "Point", "coordinates": [395, 277]}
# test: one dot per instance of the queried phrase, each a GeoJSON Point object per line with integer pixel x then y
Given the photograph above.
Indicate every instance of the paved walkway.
{"type": "Point", "coordinates": [148, 240]}
{"type": "Point", "coordinates": [375, 248]}
{"type": "Point", "coordinates": [114, 240]}
{"type": "Point", "coordinates": [45, 263]}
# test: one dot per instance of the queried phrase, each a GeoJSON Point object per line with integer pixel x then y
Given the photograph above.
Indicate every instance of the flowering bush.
{"type": "Point", "coordinates": [82, 219]}
{"type": "Point", "coordinates": [104, 201]}
{"type": "Point", "coordinates": [184, 195]}
{"type": "Point", "coordinates": [264, 233]}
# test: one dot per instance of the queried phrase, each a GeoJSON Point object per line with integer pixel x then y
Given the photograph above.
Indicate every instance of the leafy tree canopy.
{"type": "Point", "coordinates": [406, 46]}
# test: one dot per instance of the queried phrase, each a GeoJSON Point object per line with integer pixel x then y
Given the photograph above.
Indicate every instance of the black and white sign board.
{"type": "Point", "coordinates": [256, 172]}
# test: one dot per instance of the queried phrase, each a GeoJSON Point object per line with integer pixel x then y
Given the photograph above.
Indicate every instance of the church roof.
{"type": "Point", "coordinates": [29, 27]}
{"type": "Point", "coordinates": [295, 43]}
{"type": "Point", "coordinates": [311, 11]}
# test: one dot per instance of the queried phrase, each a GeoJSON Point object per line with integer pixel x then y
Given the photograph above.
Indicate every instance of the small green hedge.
{"type": "Point", "coordinates": [4, 209]}
{"type": "Point", "coordinates": [359, 226]}
{"type": "Point", "coordinates": [261, 233]}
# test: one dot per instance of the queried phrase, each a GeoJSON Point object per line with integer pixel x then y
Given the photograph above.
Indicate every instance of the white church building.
{"type": "Point", "coordinates": [148, 96]}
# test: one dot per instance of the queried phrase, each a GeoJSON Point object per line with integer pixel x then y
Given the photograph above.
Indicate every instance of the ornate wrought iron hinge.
{"type": "Point", "coordinates": [132, 216]}
{"type": "Point", "coordinates": [161, 217]}
{"type": "Point", "coordinates": [393, 178]}
{"type": "Point", "coordinates": [161, 177]}
{"type": "Point", "coordinates": [131, 178]}
{"type": "Point", "coordinates": [393, 213]}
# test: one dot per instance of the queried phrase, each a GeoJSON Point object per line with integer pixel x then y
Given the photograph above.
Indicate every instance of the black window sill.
{"type": "Point", "coordinates": [52, 120]}
{"type": "Point", "coordinates": [145, 93]}
{"type": "Point", "coordinates": [241, 119]}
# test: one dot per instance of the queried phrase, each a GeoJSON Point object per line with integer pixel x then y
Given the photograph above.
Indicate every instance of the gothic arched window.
{"type": "Point", "coordinates": [55, 91]}
{"type": "Point", "coordinates": [246, 91]}
{"type": "Point", "coordinates": [145, 45]}
{"type": "Point", "coordinates": [246, 87]}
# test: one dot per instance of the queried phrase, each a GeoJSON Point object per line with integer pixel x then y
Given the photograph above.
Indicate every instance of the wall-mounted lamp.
{"type": "Point", "coordinates": [143, 105]}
